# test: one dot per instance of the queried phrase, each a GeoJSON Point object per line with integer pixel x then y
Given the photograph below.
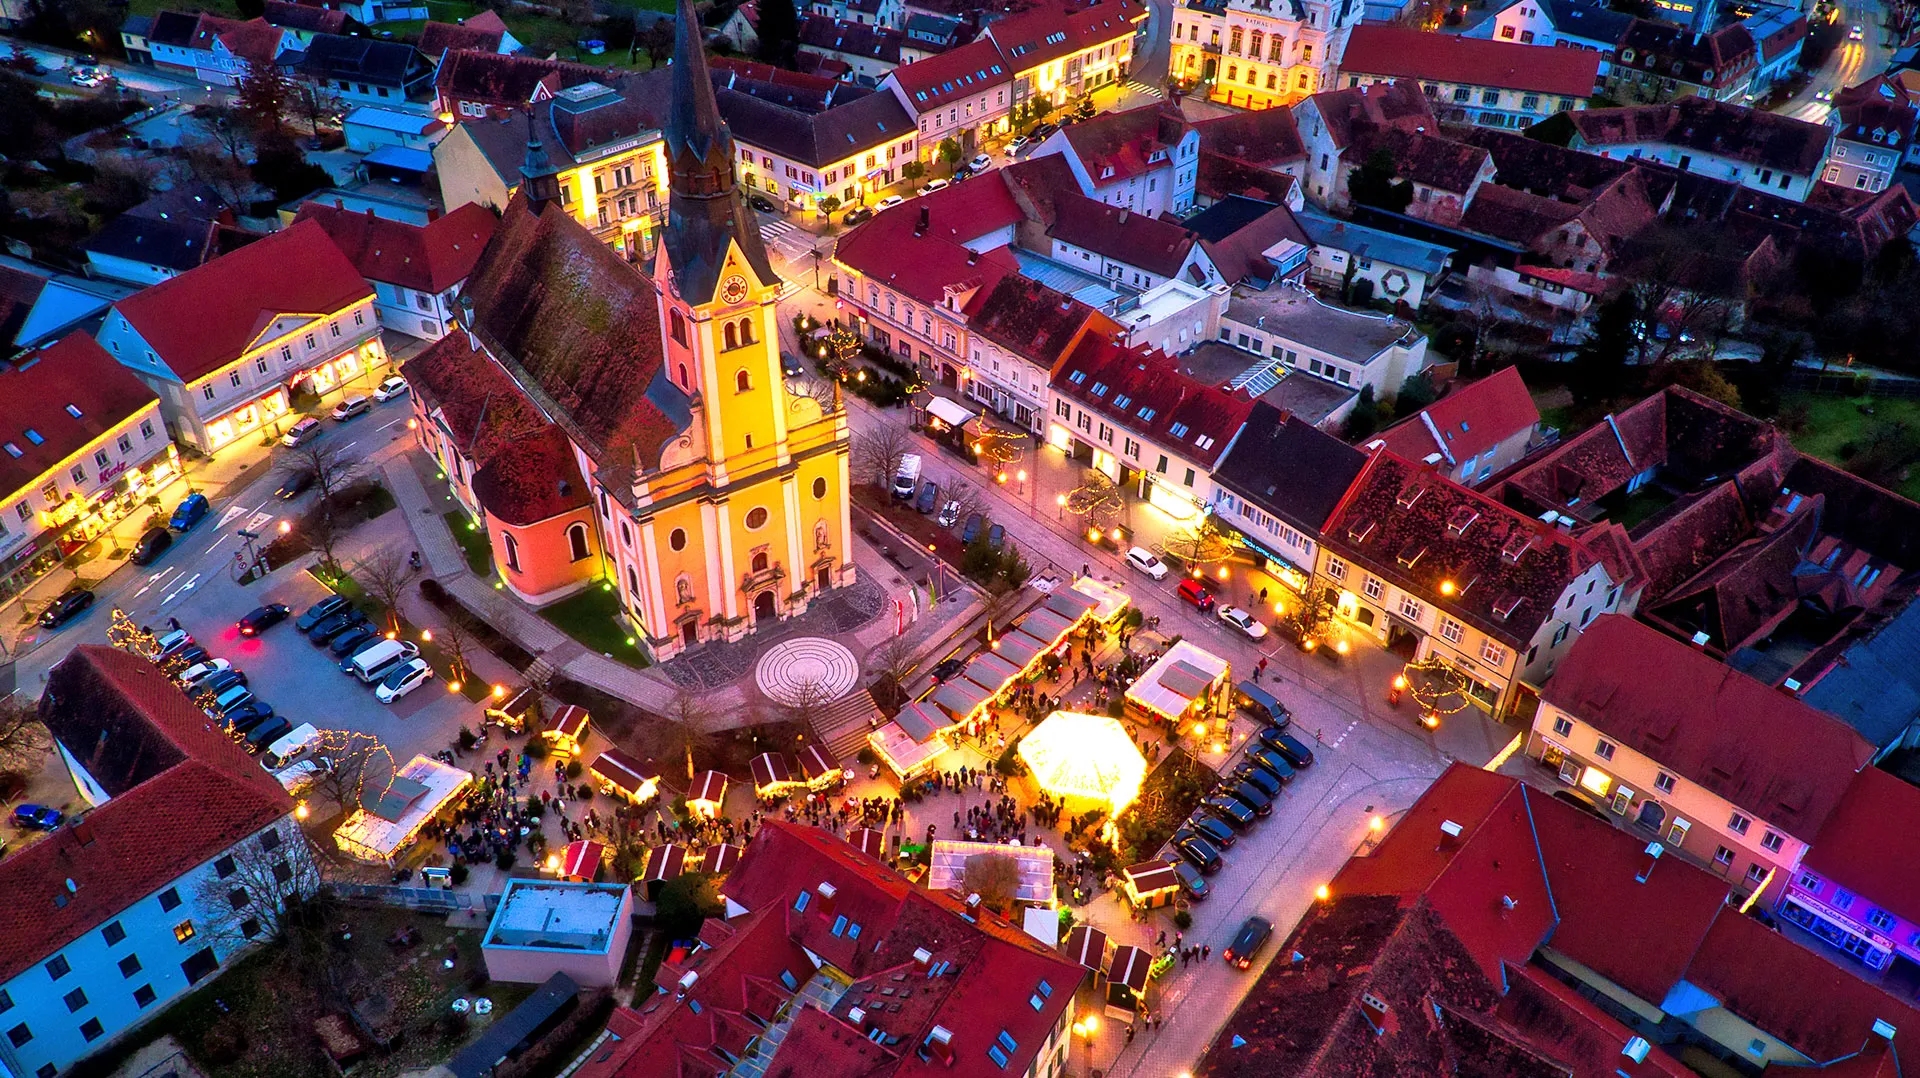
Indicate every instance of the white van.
{"type": "Point", "coordinates": [907, 479]}
{"type": "Point", "coordinates": [373, 663]}
{"type": "Point", "coordinates": [297, 776]}
{"type": "Point", "coordinates": [291, 747]}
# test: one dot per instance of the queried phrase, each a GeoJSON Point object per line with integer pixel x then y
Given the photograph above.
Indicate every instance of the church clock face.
{"type": "Point", "coordinates": [733, 289]}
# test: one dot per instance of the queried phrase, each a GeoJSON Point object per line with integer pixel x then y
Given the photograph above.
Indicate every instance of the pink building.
{"type": "Point", "coordinates": [1855, 891]}
{"type": "Point", "coordinates": [543, 927]}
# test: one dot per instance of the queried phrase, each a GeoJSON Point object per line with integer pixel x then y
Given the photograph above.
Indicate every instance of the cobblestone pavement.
{"type": "Point", "coordinates": [720, 663]}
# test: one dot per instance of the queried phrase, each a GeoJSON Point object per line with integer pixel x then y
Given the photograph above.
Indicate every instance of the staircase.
{"type": "Point", "coordinates": [842, 726]}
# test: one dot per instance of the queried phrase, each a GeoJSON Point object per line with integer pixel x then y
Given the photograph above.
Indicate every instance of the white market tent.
{"type": "Point", "coordinates": [948, 868]}
{"type": "Point", "coordinates": [906, 756]}
{"type": "Point", "coordinates": [1109, 602]}
{"type": "Point", "coordinates": [389, 818]}
{"type": "Point", "coordinates": [1089, 756]}
{"type": "Point", "coordinates": [1184, 674]}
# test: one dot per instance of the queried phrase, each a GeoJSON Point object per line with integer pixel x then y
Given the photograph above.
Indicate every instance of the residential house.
{"type": "Point", "coordinates": [84, 447]}
{"type": "Point", "coordinates": [365, 71]}
{"type": "Point", "coordinates": [415, 270]}
{"type": "Point", "coordinates": [38, 305]}
{"type": "Point", "coordinates": [218, 51]}
{"type": "Point", "coordinates": [283, 315]}
{"type": "Point", "coordinates": [1851, 890]}
{"type": "Point", "coordinates": [1280, 480]}
{"type": "Point", "coordinates": [1877, 123]}
{"type": "Point", "coordinates": [485, 32]}
{"type": "Point", "coordinates": [374, 12]}
{"type": "Point", "coordinates": [1252, 54]}
{"type": "Point", "coordinates": [1661, 61]}
{"type": "Point", "coordinates": [1172, 317]}
{"type": "Point", "coordinates": [817, 935]}
{"type": "Point", "coordinates": [931, 35]}
{"type": "Point", "coordinates": [1266, 378]}
{"type": "Point", "coordinates": [1144, 159]}
{"type": "Point", "coordinates": [847, 151]}
{"type": "Point", "coordinates": [1131, 249]}
{"type": "Point", "coordinates": [1397, 268]}
{"type": "Point", "coordinates": [139, 922]}
{"type": "Point", "coordinates": [1144, 422]}
{"type": "Point", "coordinates": [1865, 678]}
{"type": "Point", "coordinates": [869, 51]}
{"type": "Point", "coordinates": [368, 128]}
{"type": "Point", "coordinates": [1560, 24]}
{"type": "Point", "coordinates": [1250, 242]}
{"type": "Point", "coordinates": [1477, 429]}
{"type": "Point", "coordinates": [1018, 331]}
{"type": "Point", "coordinates": [1488, 83]}
{"type": "Point", "coordinates": [603, 140]}
{"type": "Point", "coordinates": [885, 13]}
{"type": "Point", "coordinates": [1330, 122]}
{"type": "Point", "coordinates": [1716, 765]}
{"type": "Point", "coordinates": [306, 20]}
{"type": "Point", "coordinates": [1349, 348]}
{"type": "Point", "coordinates": [133, 38]}
{"type": "Point", "coordinates": [165, 236]}
{"type": "Point", "coordinates": [1251, 154]}
{"type": "Point", "coordinates": [1753, 148]}
{"type": "Point", "coordinates": [1493, 595]}
{"type": "Point", "coordinates": [1060, 51]}
{"type": "Point", "coordinates": [482, 85]}
{"type": "Point", "coordinates": [964, 94]}
{"type": "Point", "coordinates": [1779, 32]}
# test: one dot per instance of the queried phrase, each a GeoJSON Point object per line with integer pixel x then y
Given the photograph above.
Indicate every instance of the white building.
{"type": "Point", "coordinates": [183, 859]}
{"type": "Point", "coordinates": [543, 927]}
{"type": "Point", "coordinates": [1257, 54]}
{"type": "Point", "coordinates": [1174, 316]}
{"type": "Point", "coordinates": [1723, 141]}
{"type": "Point", "coordinates": [1146, 159]}
{"type": "Point", "coordinates": [1349, 348]}
{"type": "Point", "coordinates": [415, 270]}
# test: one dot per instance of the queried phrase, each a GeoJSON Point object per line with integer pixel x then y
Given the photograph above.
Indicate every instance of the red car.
{"type": "Point", "coordinates": [1195, 592]}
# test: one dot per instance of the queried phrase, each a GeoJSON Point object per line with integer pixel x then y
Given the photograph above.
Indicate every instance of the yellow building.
{"type": "Point", "coordinates": [720, 497]}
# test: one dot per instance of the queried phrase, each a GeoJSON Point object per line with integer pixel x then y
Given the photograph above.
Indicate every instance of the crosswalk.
{"type": "Point", "coordinates": [1143, 88]}
{"type": "Point", "coordinates": [792, 240]}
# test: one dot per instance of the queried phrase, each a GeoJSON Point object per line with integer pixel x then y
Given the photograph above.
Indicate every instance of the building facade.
{"type": "Point", "coordinates": [1486, 83]}
{"type": "Point", "coordinates": [1255, 54]}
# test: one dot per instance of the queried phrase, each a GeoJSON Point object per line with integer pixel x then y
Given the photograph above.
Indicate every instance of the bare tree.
{"type": "Point", "coordinates": [355, 761]}
{"type": "Point", "coordinates": [254, 891]}
{"type": "Point", "coordinates": [878, 453]}
{"type": "Point", "coordinates": [965, 496]}
{"type": "Point", "coordinates": [1199, 545]}
{"type": "Point", "coordinates": [995, 877]}
{"type": "Point", "coordinates": [229, 125]}
{"type": "Point", "coordinates": [331, 471]}
{"type": "Point", "coordinates": [687, 727]}
{"type": "Point", "coordinates": [809, 697]}
{"type": "Point", "coordinates": [385, 575]}
{"type": "Point", "coordinates": [894, 659]}
{"type": "Point", "coordinates": [204, 161]}
{"type": "Point", "coordinates": [24, 740]}
{"type": "Point", "coordinates": [458, 640]}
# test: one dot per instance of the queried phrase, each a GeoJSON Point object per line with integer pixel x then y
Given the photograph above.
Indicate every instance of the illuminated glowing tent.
{"type": "Point", "coordinates": [1109, 602]}
{"type": "Point", "coordinates": [1129, 967]}
{"type": "Point", "coordinates": [1044, 624]}
{"type": "Point", "coordinates": [901, 752]}
{"type": "Point", "coordinates": [569, 730]}
{"type": "Point", "coordinates": [580, 860]}
{"type": "Point", "coordinates": [1072, 605]}
{"type": "Point", "coordinates": [627, 776]}
{"type": "Point", "coordinates": [1088, 756]}
{"type": "Point", "coordinates": [991, 672]}
{"type": "Point", "coordinates": [773, 774]}
{"type": "Point", "coordinates": [821, 771]}
{"type": "Point", "coordinates": [1150, 884]}
{"type": "Point", "coordinates": [962, 698]}
{"type": "Point", "coordinates": [1018, 648]}
{"type": "Point", "coordinates": [708, 791]}
{"type": "Point", "coordinates": [719, 860]}
{"type": "Point", "coordinates": [390, 817]}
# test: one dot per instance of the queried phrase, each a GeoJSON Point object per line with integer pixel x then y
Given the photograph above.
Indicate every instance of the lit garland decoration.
{"type": "Point", "coordinates": [1438, 688]}
{"type": "Point", "coordinates": [1199, 545]}
{"type": "Point", "coordinates": [1097, 500]}
{"type": "Point", "coordinates": [998, 448]}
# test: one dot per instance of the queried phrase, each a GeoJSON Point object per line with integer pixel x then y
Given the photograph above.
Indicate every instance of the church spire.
{"type": "Point", "coordinates": [538, 178]}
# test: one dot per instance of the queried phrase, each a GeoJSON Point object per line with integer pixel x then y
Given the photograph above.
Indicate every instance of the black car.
{"type": "Point", "coordinates": [975, 522]}
{"type": "Point", "coordinates": [1295, 751]}
{"type": "Point", "coordinates": [348, 642]}
{"type": "Point", "coordinates": [856, 215]}
{"type": "Point", "coordinates": [1250, 795]}
{"type": "Point", "coordinates": [1270, 759]}
{"type": "Point", "coordinates": [221, 682]}
{"type": "Point", "coordinates": [151, 545]}
{"type": "Point", "coordinates": [948, 667]}
{"type": "Point", "coordinates": [191, 655]}
{"type": "Point", "coordinates": [71, 604]}
{"type": "Point", "coordinates": [1229, 810]}
{"type": "Point", "coordinates": [759, 202]}
{"type": "Point", "coordinates": [263, 618]}
{"type": "Point", "coordinates": [249, 715]}
{"type": "Point", "coordinates": [791, 366]}
{"type": "Point", "coordinates": [1191, 881]}
{"type": "Point", "coordinates": [295, 484]}
{"type": "Point", "coordinates": [319, 612]}
{"type": "Point", "coordinates": [1259, 778]}
{"type": "Point", "coordinates": [335, 624]}
{"type": "Point", "coordinates": [1197, 851]}
{"type": "Point", "coordinates": [1213, 830]}
{"type": "Point", "coordinates": [1252, 936]}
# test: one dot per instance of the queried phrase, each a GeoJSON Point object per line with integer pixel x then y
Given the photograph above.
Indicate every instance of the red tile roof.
{"type": "Point", "coordinates": [1148, 394]}
{"type": "Point", "coordinates": [210, 315]}
{"type": "Point", "coordinates": [305, 17]}
{"type": "Point", "coordinates": [1785, 762]}
{"type": "Point", "coordinates": [1852, 849]}
{"type": "Point", "coordinates": [1708, 126]}
{"type": "Point", "coordinates": [182, 794]}
{"type": "Point", "coordinates": [41, 386]}
{"type": "Point", "coordinates": [1363, 108]}
{"type": "Point", "coordinates": [1031, 320]}
{"type": "Point", "coordinates": [1470, 420]}
{"type": "Point", "coordinates": [1055, 29]}
{"type": "Point", "coordinates": [952, 76]}
{"type": "Point", "coordinates": [256, 41]}
{"type": "Point", "coordinates": [426, 258]}
{"type": "Point", "coordinates": [1115, 232]}
{"type": "Point", "coordinates": [481, 33]}
{"type": "Point", "coordinates": [891, 249]}
{"type": "Point", "coordinates": [1398, 52]}
{"type": "Point", "coordinates": [1567, 1027]}
{"type": "Point", "coordinates": [1114, 147]}
{"type": "Point", "coordinates": [1268, 138]}
{"type": "Point", "coordinates": [506, 81]}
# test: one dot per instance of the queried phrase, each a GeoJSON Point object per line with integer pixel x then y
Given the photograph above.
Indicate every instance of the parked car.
{"type": "Point", "coordinates": [1252, 774]}
{"type": "Point", "coordinates": [249, 715]}
{"type": "Point", "coordinates": [71, 604]}
{"type": "Point", "coordinates": [263, 618]}
{"type": "Point", "coordinates": [929, 496]}
{"type": "Point", "coordinates": [297, 482]}
{"type": "Point", "coordinates": [391, 388]}
{"type": "Point", "coordinates": [980, 163]}
{"type": "Point", "coordinates": [202, 671]}
{"type": "Point", "coordinates": [189, 656]}
{"type": "Point", "coordinates": [1197, 851]}
{"type": "Point", "coordinates": [1213, 830]}
{"type": "Point", "coordinates": [1044, 130]}
{"type": "Point", "coordinates": [325, 633]}
{"type": "Point", "coordinates": [1250, 795]}
{"type": "Point", "coordinates": [267, 733]}
{"type": "Point", "coordinates": [1147, 562]}
{"type": "Point", "coordinates": [948, 667]}
{"type": "Point", "coordinates": [762, 203]}
{"type": "Point", "coordinates": [376, 659]}
{"type": "Point", "coordinates": [37, 817]}
{"type": "Point", "coordinates": [1270, 759]}
{"type": "Point", "coordinates": [168, 643]}
{"type": "Point", "coordinates": [996, 535]}
{"type": "Point", "coordinates": [975, 522]}
{"type": "Point", "coordinates": [949, 513]}
{"type": "Point", "coordinates": [936, 185]}
{"type": "Point", "coordinates": [1252, 936]}
{"type": "Point", "coordinates": [1191, 880]}
{"type": "Point", "coordinates": [189, 512]}
{"type": "Point", "coordinates": [319, 612]}
{"type": "Point", "coordinates": [220, 682]}
{"type": "Point", "coordinates": [151, 546]}
{"type": "Point", "coordinates": [1229, 810]}
{"type": "Point", "coordinates": [1295, 751]}
{"type": "Point", "coordinates": [402, 680]}
{"type": "Point", "coordinates": [351, 407]}
{"type": "Point", "coordinates": [888, 202]}
{"type": "Point", "coordinates": [302, 432]}
{"type": "Point", "coordinates": [856, 215]}
{"type": "Point", "coordinates": [1196, 593]}
{"type": "Point", "coordinates": [235, 696]}
{"type": "Point", "coordinates": [1019, 143]}
{"type": "Point", "coordinates": [1261, 704]}
{"type": "Point", "coordinates": [791, 366]}
{"type": "Point", "coordinates": [348, 642]}
{"type": "Point", "coordinates": [1242, 621]}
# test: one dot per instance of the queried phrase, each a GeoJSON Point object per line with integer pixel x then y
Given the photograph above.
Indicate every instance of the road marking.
{"type": "Point", "coordinates": [342, 449]}
{"type": "Point", "coordinates": [259, 521]}
{"type": "Point", "coordinates": [1335, 743]}
{"type": "Point", "coordinates": [227, 515]}
{"type": "Point", "coordinates": [155, 579]}
{"type": "Point", "coordinates": [215, 543]}
{"type": "Point", "coordinates": [181, 590]}
{"type": "Point", "coordinates": [389, 423]}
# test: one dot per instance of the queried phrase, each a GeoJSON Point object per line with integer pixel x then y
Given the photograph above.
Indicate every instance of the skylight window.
{"type": "Point", "coordinates": [1121, 400]}
{"type": "Point", "coordinates": [1146, 414]}
{"type": "Point", "coordinates": [1099, 389]}
{"type": "Point", "coordinates": [34, 436]}
{"type": "Point", "coordinates": [13, 450]}
{"type": "Point", "coordinates": [1077, 377]}
{"type": "Point", "coordinates": [1178, 430]}
{"type": "Point", "coordinates": [73, 411]}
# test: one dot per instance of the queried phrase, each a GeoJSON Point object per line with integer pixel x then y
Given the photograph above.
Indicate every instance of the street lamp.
{"type": "Point", "coordinates": [1085, 1029]}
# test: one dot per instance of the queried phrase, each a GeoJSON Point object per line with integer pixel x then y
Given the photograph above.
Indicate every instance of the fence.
{"type": "Point", "coordinates": [1845, 383]}
{"type": "Point", "coordinates": [429, 899]}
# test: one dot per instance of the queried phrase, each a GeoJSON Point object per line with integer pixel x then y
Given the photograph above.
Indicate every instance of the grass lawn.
{"type": "Point", "coordinates": [473, 542]}
{"type": "Point", "coordinates": [1834, 422]}
{"type": "Point", "coordinates": [474, 689]}
{"type": "Point", "coordinates": [591, 617]}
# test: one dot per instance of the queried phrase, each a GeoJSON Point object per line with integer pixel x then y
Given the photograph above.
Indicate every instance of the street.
{"type": "Point", "coordinates": [1853, 62]}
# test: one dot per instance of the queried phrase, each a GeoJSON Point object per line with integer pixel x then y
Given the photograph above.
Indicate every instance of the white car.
{"type": "Point", "coordinates": [402, 680]}
{"type": "Point", "coordinates": [1855, 34]}
{"type": "Point", "coordinates": [980, 163]}
{"type": "Point", "coordinates": [1242, 621]}
{"type": "Point", "coordinates": [296, 777]}
{"type": "Point", "coordinates": [391, 388]}
{"type": "Point", "coordinates": [351, 407]}
{"type": "Point", "coordinates": [949, 515]}
{"type": "Point", "coordinates": [1019, 143]}
{"type": "Point", "coordinates": [1145, 561]}
{"type": "Point", "coordinates": [937, 185]}
{"type": "Point", "coordinates": [888, 203]}
{"type": "Point", "coordinates": [168, 643]}
{"type": "Point", "coordinates": [194, 674]}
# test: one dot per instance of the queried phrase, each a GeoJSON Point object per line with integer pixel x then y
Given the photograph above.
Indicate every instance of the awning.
{"type": "Point", "coordinates": [902, 753]}
{"type": "Point", "coordinates": [1129, 967]}
{"type": "Point", "coordinates": [580, 860]}
{"type": "Point", "coordinates": [815, 765]}
{"type": "Point", "coordinates": [772, 772]}
{"type": "Point", "coordinates": [1070, 604]}
{"type": "Point", "coordinates": [947, 411]}
{"type": "Point", "coordinates": [868, 840]}
{"type": "Point", "coordinates": [991, 672]}
{"type": "Point", "coordinates": [921, 723]}
{"type": "Point", "coordinates": [1018, 648]}
{"type": "Point", "coordinates": [708, 786]}
{"type": "Point", "coordinates": [417, 793]}
{"type": "Point", "coordinates": [961, 698]}
{"type": "Point", "coordinates": [626, 774]}
{"type": "Point", "coordinates": [1149, 878]}
{"type": "Point", "coordinates": [1109, 602]}
{"type": "Point", "coordinates": [1178, 678]}
{"type": "Point", "coordinates": [1044, 624]}
{"type": "Point", "coordinates": [720, 859]}
{"type": "Point", "coordinates": [665, 862]}
{"type": "Point", "coordinates": [1087, 945]}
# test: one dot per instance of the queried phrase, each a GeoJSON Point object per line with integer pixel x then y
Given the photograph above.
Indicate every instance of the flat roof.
{"type": "Point", "coordinates": [1177, 678]}
{"type": "Point", "coordinates": [553, 915]}
{"type": "Point", "coordinates": [1298, 316]}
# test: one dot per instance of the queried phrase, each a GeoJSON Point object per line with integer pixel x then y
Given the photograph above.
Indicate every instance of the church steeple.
{"type": "Point", "coordinates": [705, 211]}
{"type": "Point", "coordinates": [538, 178]}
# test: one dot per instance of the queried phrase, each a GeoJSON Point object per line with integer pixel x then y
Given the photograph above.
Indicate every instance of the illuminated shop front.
{"type": "Point", "coordinates": [274, 402]}
{"type": "Point", "coordinates": [248, 417]}
{"type": "Point", "coordinates": [77, 519]}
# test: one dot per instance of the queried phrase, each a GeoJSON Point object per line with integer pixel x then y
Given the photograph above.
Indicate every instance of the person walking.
{"type": "Point", "coordinates": [1206, 951]}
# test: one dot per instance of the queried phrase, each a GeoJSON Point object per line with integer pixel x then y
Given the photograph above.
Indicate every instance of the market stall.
{"type": "Point", "coordinates": [1051, 626]}
{"type": "Point", "coordinates": [568, 733]}
{"type": "Point", "coordinates": [870, 841]}
{"type": "Point", "coordinates": [947, 869]}
{"type": "Point", "coordinates": [1019, 648]}
{"type": "Point", "coordinates": [1127, 975]}
{"type": "Point", "coordinates": [390, 817]}
{"type": "Point", "coordinates": [901, 753]}
{"type": "Point", "coordinates": [1087, 945]}
{"type": "Point", "coordinates": [991, 672]}
{"type": "Point", "coordinates": [1187, 682]}
{"type": "Point", "coordinates": [622, 774]}
{"type": "Point", "coordinates": [1109, 602]}
{"type": "Point", "coordinates": [921, 722]}
{"type": "Point", "coordinates": [516, 711]}
{"type": "Point", "coordinates": [773, 775]}
{"type": "Point", "coordinates": [1075, 606]}
{"type": "Point", "coordinates": [708, 793]}
{"type": "Point", "coordinates": [1150, 884]}
{"type": "Point", "coordinates": [664, 863]}
{"type": "Point", "coordinates": [962, 698]}
{"type": "Point", "coordinates": [1085, 756]}
{"type": "Point", "coordinates": [820, 771]}
{"type": "Point", "coordinates": [719, 860]}
{"type": "Point", "coordinates": [579, 861]}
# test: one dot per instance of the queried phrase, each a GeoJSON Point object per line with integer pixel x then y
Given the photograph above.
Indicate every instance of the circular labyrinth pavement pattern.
{"type": "Point", "coordinates": [791, 664]}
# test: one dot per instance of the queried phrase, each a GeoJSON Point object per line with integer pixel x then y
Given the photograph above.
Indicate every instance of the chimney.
{"type": "Point", "coordinates": [1884, 1029]}
{"type": "Point", "coordinates": [1507, 902]}
{"type": "Point", "coordinates": [858, 1016]}
{"type": "Point", "coordinates": [1653, 852]}
{"type": "Point", "coordinates": [1792, 686]}
{"type": "Point", "coordinates": [973, 258]}
{"type": "Point", "coordinates": [1122, 219]}
{"type": "Point", "coordinates": [973, 901]}
{"type": "Point", "coordinates": [1637, 1049]}
{"type": "Point", "coordinates": [1449, 834]}
{"type": "Point", "coordinates": [686, 983]}
{"type": "Point", "coordinates": [826, 891]}
{"type": "Point", "coordinates": [1375, 1010]}
{"type": "Point", "coordinates": [940, 1045]}
{"type": "Point", "coordinates": [1700, 639]}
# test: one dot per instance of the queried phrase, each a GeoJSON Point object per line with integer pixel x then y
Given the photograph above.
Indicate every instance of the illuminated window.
{"type": "Point", "coordinates": [1596, 781]}
{"type": "Point", "coordinates": [183, 932]}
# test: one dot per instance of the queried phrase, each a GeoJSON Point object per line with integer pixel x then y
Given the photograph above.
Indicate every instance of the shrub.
{"type": "Point", "coordinates": [459, 872]}
{"type": "Point", "coordinates": [536, 749]}
{"type": "Point", "coordinates": [1182, 920]}
{"type": "Point", "coordinates": [433, 593]}
{"type": "Point", "coordinates": [1009, 763]}
{"type": "Point", "coordinates": [574, 769]}
{"type": "Point", "coordinates": [867, 756]}
{"type": "Point", "coordinates": [466, 739]}
{"type": "Point", "coordinates": [504, 861]}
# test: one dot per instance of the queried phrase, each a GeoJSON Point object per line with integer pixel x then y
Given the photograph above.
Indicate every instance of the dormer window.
{"type": "Point", "coordinates": [1410, 497]}
{"type": "Point", "coordinates": [1411, 554]}
{"type": "Point", "coordinates": [1361, 530]}
{"type": "Point", "coordinates": [1461, 519]}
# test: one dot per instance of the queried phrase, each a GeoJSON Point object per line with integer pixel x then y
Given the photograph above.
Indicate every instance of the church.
{"type": "Point", "coordinates": [628, 428]}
